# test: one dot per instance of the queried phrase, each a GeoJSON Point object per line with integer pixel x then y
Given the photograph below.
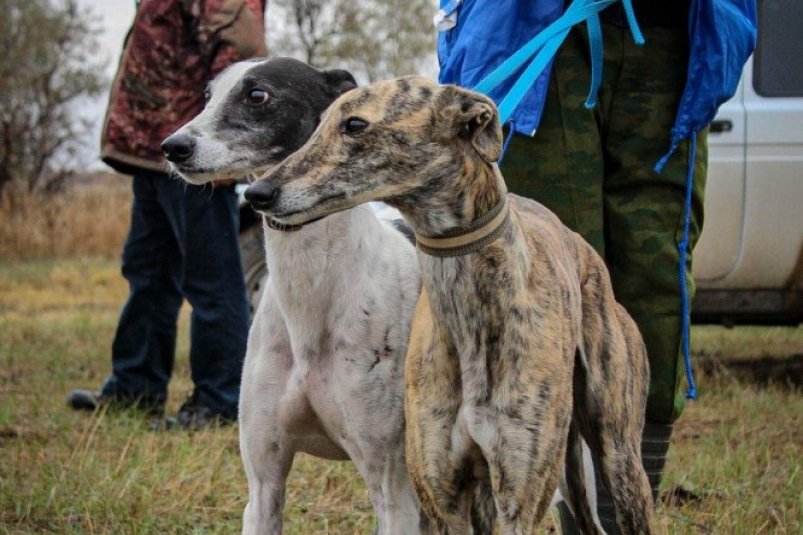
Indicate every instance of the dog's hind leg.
{"type": "Point", "coordinates": [577, 486]}
{"type": "Point", "coordinates": [392, 494]}
{"type": "Point", "coordinates": [613, 431]}
{"type": "Point", "coordinates": [611, 381]}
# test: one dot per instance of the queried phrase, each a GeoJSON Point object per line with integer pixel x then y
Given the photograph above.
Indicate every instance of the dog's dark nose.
{"type": "Point", "coordinates": [262, 195]}
{"type": "Point", "coordinates": [178, 147]}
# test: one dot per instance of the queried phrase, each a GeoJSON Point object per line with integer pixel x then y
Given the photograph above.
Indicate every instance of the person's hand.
{"type": "Point", "coordinates": [224, 182]}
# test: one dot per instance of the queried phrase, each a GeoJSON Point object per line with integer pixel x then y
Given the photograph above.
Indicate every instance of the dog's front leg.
{"type": "Point", "coordinates": [438, 450]}
{"type": "Point", "coordinates": [267, 479]}
{"type": "Point", "coordinates": [267, 454]}
{"type": "Point", "coordinates": [267, 450]}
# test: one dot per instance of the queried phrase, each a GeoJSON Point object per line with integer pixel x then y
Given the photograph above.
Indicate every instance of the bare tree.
{"type": "Point", "coordinates": [49, 67]}
{"type": "Point", "coordinates": [374, 39]}
{"type": "Point", "coordinates": [312, 23]}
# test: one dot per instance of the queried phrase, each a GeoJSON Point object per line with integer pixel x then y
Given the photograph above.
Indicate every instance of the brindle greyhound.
{"type": "Point", "coordinates": [517, 342]}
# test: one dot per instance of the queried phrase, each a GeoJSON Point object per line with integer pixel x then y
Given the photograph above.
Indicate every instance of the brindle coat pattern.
{"type": "Point", "coordinates": [515, 348]}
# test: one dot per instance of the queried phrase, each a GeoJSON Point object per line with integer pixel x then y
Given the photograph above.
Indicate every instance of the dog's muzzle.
{"type": "Point", "coordinates": [178, 148]}
{"type": "Point", "coordinates": [262, 195]}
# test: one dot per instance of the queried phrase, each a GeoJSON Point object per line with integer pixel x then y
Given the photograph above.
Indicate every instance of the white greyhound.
{"type": "Point", "coordinates": [323, 373]}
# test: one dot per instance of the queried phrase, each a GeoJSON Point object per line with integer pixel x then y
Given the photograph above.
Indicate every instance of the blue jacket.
{"type": "Point", "coordinates": [722, 36]}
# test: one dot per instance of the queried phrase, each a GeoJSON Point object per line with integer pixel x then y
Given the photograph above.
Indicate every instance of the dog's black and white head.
{"type": "Point", "coordinates": [257, 112]}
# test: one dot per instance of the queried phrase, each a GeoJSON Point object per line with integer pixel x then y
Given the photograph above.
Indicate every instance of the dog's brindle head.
{"type": "Point", "coordinates": [257, 112]}
{"type": "Point", "coordinates": [429, 150]}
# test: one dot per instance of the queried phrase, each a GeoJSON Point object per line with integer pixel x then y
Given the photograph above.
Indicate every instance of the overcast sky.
{"type": "Point", "coordinates": [116, 17]}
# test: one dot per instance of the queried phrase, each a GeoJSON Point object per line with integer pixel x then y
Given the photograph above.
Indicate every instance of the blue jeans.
{"type": "Point", "coordinates": [182, 244]}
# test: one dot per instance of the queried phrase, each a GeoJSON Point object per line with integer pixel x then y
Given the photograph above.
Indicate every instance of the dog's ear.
{"type": "Point", "coordinates": [471, 117]}
{"type": "Point", "coordinates": [339, 81]}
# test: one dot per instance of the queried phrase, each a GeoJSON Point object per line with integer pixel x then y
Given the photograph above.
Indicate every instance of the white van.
{"type": "Point", "coordinates": [749, 261]}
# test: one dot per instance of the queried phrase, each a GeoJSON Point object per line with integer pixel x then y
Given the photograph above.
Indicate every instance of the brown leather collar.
{"type": "Point", "coordinates": [470, 239]}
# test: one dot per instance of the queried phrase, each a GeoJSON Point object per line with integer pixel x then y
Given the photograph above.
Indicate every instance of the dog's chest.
{"type": "Point", "coordinates": [500, 323]}
{"type": "Point", "coordinates": [472, 300]}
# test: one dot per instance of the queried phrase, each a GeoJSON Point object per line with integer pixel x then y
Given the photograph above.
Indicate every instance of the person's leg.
{"type": "Point", "coordinates": [644, 222]}
{"type": "Point", "coordinates": [144, 343]}
{"type": "Point", "coordinates": [215, 287]}
{"type": "Point", "coordinates": [562, 166]}
{"type": "Point", "coordinates": [644, 210]}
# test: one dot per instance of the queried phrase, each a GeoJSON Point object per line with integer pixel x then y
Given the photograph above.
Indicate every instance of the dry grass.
{"type": "Point", "coordinates": [90, 218]}
{"type": "Point", "coordinates": [737, 449]}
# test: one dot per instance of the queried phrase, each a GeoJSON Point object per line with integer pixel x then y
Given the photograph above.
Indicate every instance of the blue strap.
{"type": "Point", "coordinates": [578, 11]}
{"type": "Point", "coordinates": [542, 48]}
{"type": "Point", "coordinates": [659, 166]}
{"type": "Point", "coordinates": [595, 46]}
{"type": "Point", "coordinates": [631, 21]}
{"type": "Point", "coordinates": [506, 144]}
{"type": "Point", "coordinates": [528, 77]}
{"type": "Point", "coordinates": [683, 247]}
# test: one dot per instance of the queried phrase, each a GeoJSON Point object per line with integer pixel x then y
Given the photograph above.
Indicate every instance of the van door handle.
{"type": "Point", "coordinates": [721, 126]}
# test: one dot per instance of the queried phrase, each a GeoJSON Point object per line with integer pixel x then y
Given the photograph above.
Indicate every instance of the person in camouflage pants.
{"type": "Point", "coordinates": [594, 169]}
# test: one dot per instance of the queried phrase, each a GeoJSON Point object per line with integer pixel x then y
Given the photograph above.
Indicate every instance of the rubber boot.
{"type": "Point", "coordinates": [654, 445]}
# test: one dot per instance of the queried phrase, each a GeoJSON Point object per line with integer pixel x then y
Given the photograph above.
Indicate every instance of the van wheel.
{"type": "Point", "coordinates": [252, 253]}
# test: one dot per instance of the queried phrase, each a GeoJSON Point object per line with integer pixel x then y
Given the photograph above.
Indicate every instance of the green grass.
{"type": "Point", "coordinates": [737, 448]}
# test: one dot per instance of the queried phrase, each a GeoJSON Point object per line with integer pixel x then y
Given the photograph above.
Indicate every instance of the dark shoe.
{"type": "Point", "coordinates": [654, 446]}
{"type": "Point", "coordinates": [87, 400]}
{"type": "Point", "coordinates": [83, 400]}
{"type": "Point", "coordinates": [192, 416]}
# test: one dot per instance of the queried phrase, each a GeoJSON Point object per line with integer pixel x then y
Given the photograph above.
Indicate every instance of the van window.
{"type": "Point", "coordinates": [779, 55]}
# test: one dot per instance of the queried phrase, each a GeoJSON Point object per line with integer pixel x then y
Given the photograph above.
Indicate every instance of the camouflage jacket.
{"type": "Point", "coordinates": [172, 50]}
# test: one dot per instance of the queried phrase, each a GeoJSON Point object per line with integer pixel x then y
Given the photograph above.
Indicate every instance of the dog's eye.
{"type": "Point", "coordinates": [257, 97]}
{"type": "Point", "coordinates": [353, 125]}
{"type": "Point", "coordinates": [207, 95]}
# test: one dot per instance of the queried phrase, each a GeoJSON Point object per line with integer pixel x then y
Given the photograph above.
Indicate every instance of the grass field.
{"type": "Point", "coordinates": [90, 217]}
{"type": "Point", "coordinates": [734, 466]}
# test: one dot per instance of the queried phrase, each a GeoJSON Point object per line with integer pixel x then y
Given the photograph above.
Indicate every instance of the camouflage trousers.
{"type": "Point", "coordinates": [594, 169]}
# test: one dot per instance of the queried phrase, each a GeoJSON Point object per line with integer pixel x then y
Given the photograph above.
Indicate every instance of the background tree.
{"type": "Point", "coordinates": [49, 69]}
{"type": "Point", "coordinates": [374, 39]}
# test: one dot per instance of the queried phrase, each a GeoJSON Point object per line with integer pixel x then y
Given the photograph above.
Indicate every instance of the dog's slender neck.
{"type": "Point", "coordinates": [482, 281]}
{"type": "Point", "coordinates": [458, 202]}
{"type": "Point", "coordinates": [294, 261]}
